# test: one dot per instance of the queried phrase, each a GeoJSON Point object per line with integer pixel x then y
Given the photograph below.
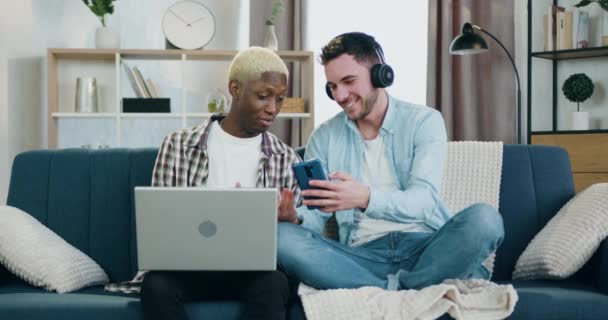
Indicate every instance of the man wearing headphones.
{"type": "Point", "coordinates": [386, 159]}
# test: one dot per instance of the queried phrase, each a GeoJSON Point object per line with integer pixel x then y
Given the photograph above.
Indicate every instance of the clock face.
{"type": "Point", "coordinates": [188, 25]}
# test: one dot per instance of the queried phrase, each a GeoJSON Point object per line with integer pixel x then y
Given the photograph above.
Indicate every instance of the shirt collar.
{"type": "Point", "coordinates": [198, 138]}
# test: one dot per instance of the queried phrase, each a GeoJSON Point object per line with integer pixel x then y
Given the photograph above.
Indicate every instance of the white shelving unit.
{"type": "Point", "coordinates": [114, 128]}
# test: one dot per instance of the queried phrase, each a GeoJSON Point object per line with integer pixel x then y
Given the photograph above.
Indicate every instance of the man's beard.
{"type": "Point", "coordinates": [368, 105]}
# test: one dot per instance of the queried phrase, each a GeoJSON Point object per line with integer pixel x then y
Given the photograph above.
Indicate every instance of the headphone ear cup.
{"type": "Point", "coordinates": [328, 91]}
{"type": "Point", "coordinates": [382, 75]}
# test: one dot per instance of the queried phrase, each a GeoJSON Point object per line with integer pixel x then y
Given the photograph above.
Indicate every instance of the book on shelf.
{"type": "Point", "coordinates": [132, 80]}
{"type": "Point", "coordinates": [551, 27]}
{"type": "Point", "coordinates": [141, 83]}
{"type": "Point", "coordinates": [580, 29]}
{"type": "Point", "coordinates": [564, 30]}
{"type": "Point", "coordinates": [142, 88]}
{"type": "Point", "coordinates": [154, 93]}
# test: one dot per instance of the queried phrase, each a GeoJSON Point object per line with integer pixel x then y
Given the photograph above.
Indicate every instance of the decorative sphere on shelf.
{"type": "Point", "coordinates": [578, 88]}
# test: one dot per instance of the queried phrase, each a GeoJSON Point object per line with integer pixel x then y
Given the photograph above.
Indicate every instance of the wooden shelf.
{"type": "Point", "coordinates": [572, 53]}
{"type": "Point", "coordinates": [62, 63]}
{"type": "Point", "coordinates": [569, 132]}
{"type": "Point", "coordinates": [83, 115]}
{"type": "Point", "coordinates": [158, 54]}
{"type": "Point", "coordinates": [288, 115]}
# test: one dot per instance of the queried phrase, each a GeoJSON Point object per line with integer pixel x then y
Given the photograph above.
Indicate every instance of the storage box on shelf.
{"type": "Point", "coordinates": [110, 126]}
{"type": "Point", "coordinates": [549, 110]}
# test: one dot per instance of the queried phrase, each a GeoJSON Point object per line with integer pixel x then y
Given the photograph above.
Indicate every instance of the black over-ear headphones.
{"type": "Point", "coordinates": [382, 74]}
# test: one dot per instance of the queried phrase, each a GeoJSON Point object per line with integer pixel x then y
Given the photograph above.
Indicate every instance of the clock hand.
{"type": "Point", "coordinates": [180, 18]}
{"type": "Point", "coordinates": [197, 20]}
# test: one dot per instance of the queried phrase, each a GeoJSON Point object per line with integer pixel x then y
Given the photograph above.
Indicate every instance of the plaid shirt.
{"type": "Point", "coordinates": [182, 161]}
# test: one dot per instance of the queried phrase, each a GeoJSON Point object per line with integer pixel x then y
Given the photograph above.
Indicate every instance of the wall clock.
{"type": "Point", "coordinates": [188, 25]}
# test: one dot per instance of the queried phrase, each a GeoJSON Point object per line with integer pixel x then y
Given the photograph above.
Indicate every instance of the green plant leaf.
{"type": "Point", "coordinates": [583, 3]}
{"type": "Point", "coordinates": [100, 8]}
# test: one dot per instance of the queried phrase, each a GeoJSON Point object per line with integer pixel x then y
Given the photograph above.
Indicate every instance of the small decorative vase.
{"type": "Point", "coordinates": [270, 40]}
{"type": "Point", "coordinates": [86, 95]}
{"type": "Point", "coordinates": [106, 38]}
{"type": "Point", "coordinates": [580, 120]}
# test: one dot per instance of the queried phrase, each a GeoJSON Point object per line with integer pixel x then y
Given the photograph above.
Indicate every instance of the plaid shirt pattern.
{"type": "Point", "coordinates": [182, 161]}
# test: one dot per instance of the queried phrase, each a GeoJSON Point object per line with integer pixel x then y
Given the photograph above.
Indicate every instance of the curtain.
{"type": "Point", "coordinates": [477, 94]}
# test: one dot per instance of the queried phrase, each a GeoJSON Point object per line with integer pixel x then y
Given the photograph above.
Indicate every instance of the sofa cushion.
{"type": "Point", "coordinates": [39, 256]}
{"type": "Point", "coordinates": [570, 238]}
{"type": "Point", "coordinates": [536, 182]}
{"type": "Point", "coordinates": [24, 302]}
{"type": "Point", "coordinates": [547, 299]}
{"type": "Point", "coordinates": [21, 301]}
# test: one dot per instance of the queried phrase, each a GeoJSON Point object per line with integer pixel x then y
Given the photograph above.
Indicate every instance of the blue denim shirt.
{"type": "Point", "coordinates": [416, 144]}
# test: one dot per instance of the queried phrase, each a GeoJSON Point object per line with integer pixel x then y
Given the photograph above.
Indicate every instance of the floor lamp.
{"type": "Point", "coordinates": [469, 42]}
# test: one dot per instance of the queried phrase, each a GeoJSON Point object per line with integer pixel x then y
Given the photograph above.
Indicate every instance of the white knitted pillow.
{"type": "Point", "coordinates": [569, 239]}
{"type": "Point", "coordinates": [40, 257]}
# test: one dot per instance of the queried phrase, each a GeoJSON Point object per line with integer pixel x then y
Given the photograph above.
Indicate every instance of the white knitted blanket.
{"type": "Point", "coordinates": [472, 174]}
{"type": "Point", "coordinates": [462, 299]}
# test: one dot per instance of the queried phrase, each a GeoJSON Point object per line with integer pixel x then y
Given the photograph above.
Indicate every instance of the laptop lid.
{"type": "Point", "coordinates": [206, 228]}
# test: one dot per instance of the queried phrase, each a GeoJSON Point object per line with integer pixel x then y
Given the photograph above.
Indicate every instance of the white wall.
{"type": "Point", "coordinates": [29, 27]}
{"type": "Point", "coordinates": [520, 15]}
{"type": "Point", "coordinates": [399, 26]}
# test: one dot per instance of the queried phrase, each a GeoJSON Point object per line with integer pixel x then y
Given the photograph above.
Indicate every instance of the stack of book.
{"type": "Point", "coordinates": [142, 88]}
{"type": "Point", "coordinates": [565, 30]}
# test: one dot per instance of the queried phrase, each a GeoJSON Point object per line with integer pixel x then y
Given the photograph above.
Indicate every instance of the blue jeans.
{"type": "Point", "coordinates": [398, 260]}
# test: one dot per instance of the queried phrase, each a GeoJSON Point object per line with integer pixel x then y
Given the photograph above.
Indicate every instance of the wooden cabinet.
{"type": "Point", "coordinates": [588, 155]}
{"type": "Point", "coordinates": [191, 74]}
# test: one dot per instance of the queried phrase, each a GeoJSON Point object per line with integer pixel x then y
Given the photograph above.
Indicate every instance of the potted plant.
{"type": "Point", "coordinates": [578, 88]}
{"type": "Point", "coordinates": [105, 37]}
{"type": "Point", "coordinates": [270, 40]}
{"type": "Point", "coordinates": [604, 5]}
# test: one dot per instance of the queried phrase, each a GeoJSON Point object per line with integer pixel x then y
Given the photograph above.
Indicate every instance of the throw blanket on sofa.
{"type": "Point", "coordinates": [462, 299]}
{"type": "Point", "coordinates": [472, 174]}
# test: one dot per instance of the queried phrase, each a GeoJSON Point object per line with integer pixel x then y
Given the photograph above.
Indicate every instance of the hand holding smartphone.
{"type": "Point", "coordinates": [306, 171]}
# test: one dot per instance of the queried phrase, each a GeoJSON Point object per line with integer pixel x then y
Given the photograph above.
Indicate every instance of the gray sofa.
{"type": "Point", "coordinates": [87, 198]}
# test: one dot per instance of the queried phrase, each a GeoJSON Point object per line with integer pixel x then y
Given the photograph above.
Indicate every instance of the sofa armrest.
{"type": "Point", "coordinates": [599, 271]}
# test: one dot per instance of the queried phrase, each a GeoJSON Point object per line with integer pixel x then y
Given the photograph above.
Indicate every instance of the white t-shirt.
{"type": "Point", "coordinates": [232, 159]}
{"type": "Point", "coordinates": [379, 173]}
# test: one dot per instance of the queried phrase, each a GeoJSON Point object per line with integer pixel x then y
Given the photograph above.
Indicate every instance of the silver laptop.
{"type": "Point", "coordinates": [206, 228]}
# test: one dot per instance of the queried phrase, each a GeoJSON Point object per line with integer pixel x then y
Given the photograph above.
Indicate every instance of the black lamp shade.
{"type": "Point", "coordinates": [468, 42]}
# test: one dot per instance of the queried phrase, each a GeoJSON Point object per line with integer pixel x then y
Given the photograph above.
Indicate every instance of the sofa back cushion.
{"type": "Point", "coordinates": [86, 197]}
{"type": "Point", "coordinates": [536, 182]}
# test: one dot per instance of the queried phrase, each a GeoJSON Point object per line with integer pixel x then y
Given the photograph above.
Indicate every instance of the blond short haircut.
{"type": "Point", "coordinates": [251, 63]}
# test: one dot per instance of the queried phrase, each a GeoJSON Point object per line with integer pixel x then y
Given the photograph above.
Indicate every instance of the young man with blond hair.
{"type": "Point", "coordinates": [227, 151]}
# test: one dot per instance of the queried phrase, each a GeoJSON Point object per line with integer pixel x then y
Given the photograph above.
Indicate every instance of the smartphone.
{"type": "Point", "coordinates": [306, 171]}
